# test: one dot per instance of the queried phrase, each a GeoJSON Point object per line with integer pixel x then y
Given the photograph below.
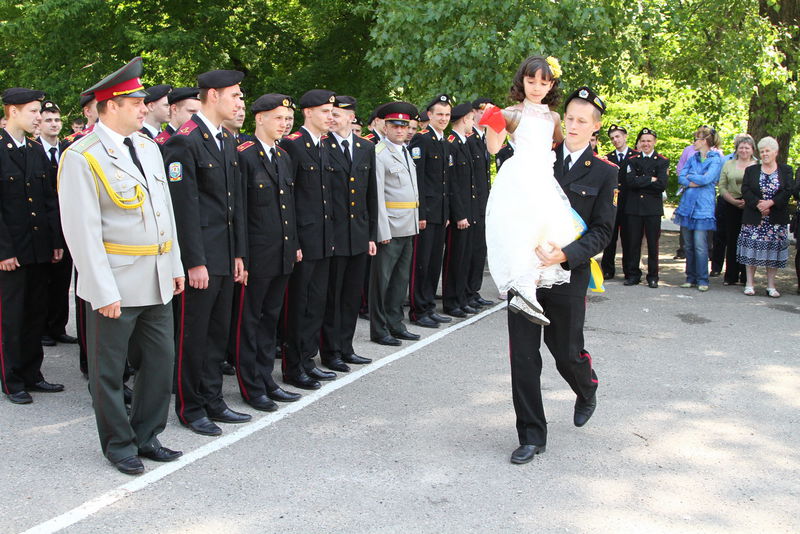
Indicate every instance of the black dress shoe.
{"type": "Point", "coordinates": [631, 282]}
{"type": "Point", "coordinates": [456, 312]}
{"type": "Point", "coordinates": [318, 374]}
{"type": "Point", "coordinates": [387, 340]}
{"type": "Point", "coordinates": [469, 309]}
{"type": "Point", "coordinates": [405, 334]}
{"type": "Point", "coordinates": [652, 284]}
{"type": "Point", "coordinates": [484, 302]}
{"type": "Point", "coordinates": [584, 410]}
{"type": "Point", "coordinates": [336, 364]}
{"type": "Point", "coordinates": [48, 341]}
{"type": "Point", "coordinates": [227, 369]}
{"type": "Point", "coordinates": [45, 387]}
{"type": "Point", "coordinates": [127, 394]}
{"type": "Point", "coordinates": [130, 466]}
{"type": "Point", "coordinates": [229, 416]}
{"type": "Point", "coordinates": [356, 359]}
{"type": "Point", "coordinates": [262, 404]}
{"type": "Point", "coordinates": [20, 397]}
{"type": "Point", "coordinates": [525, 453]}
{"type": "Point", "coordinates": [364, 316]}
{"type": "Point", "coordinates": [608, 276]}
{"type": "Point", "coordinates": [426, 322]}
{"type": "Point", "coordinates": [203, 426]}
{"type": "Point", "coordinates": [714, 273]}
{"type": "Point", "coordinates": [161, 454]}
{"type": "Point", "coordinates": [65, 338]}
{"type": "Point", "coordinates": [474, 304]}
{"type": "Point", "coordinates": [440, 318]}
{"type": "Point", "coordinates": [282, 395]}
{"type": "Point", "coordinates": [302, 381]}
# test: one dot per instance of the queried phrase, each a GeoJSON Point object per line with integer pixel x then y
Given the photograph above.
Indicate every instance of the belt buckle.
{"type": "Point", "coordinates": [162, 248]}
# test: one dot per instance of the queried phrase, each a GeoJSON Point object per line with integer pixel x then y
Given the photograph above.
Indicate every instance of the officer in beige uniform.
{"type": "Point", "coordinates": [118, 221]}
{"type": "Point", "coordinates": [398, 223]}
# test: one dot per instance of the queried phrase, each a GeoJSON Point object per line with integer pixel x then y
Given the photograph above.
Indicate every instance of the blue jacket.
{"type": "Point", "coordinates": [699, 202]}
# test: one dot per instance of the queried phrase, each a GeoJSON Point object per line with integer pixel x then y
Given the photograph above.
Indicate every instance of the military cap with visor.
{"type": "Point", "coordinates": [398, 113]}
{"type": "Point", "coordinates": [122, 82]}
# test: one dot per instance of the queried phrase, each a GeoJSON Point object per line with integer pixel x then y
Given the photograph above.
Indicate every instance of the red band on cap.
{"type": "Point", "coordinates": [403, 116]}
{"type": "Point", "coordinates": [124, 88]}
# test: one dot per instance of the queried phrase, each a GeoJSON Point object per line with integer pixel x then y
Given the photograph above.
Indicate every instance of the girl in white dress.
{"type": "Point", "coordinates": [527, 207]}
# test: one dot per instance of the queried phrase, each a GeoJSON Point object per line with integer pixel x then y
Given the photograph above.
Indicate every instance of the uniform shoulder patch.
{"type": "Point", "coordinates": [369, 136]}
{"type": "Point", "coordinates": [244, 146]}
{"type": "Point", "coordinates": [323, 136]}
{"type": "Point", "coordinates": [380, 147]}
{"type": "Point", "coordinates": [662, 156]}
{"type": "Point", "coordinates": [84, 142]}
{"type": "Point", "coordinates": [281, 151]}
{"type": "Point", "coordinates": [175, 171]}
{"type": "Point", "coordinates": [32, 140]}
{"type": "Point", "coordinates": [451, 138]}
{"type": "Point", "coordinates": [424, 131]}
{"type": "Point", "coordinates": [187, 128]}
{"type": "Point", "coordinates": [634, 156]}
{"type": "Point", "coordinates": [605, 160]}
{"type": "Point", "coordinates": [162, 137]}
{"type": "Point", "coordinates": [416, 152]}
{"type": "Point", "coordinates": [144, 136]}
{"type": "Point", "coordinates": [296, 135]}
{"type": "Point", "coordinates": [71, 138]}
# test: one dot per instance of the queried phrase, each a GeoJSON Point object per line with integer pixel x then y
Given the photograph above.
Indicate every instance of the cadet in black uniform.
{"type": "Point", "coordinates": [646, 180]}
{"type": "Point", "coordinates": [350, 169]}
{"type": "Point", "coordinates": [205, 184]}
{"type": "Point", "coordinates": [157, 102]}
{"type": "Point", "coordinates": [619, 156]}
{"type": "Point", "coordinates": [589, 183]}
{"type": "Point", "coordinates": [30, 239]}
{"type": "Point", "coordinates": [308, 285]}
{"type": "Point", "coordinates": [183, 103]}
{"type": "Point", "coordinates": [431, 154]}
{"type": "Point", "coordinates": [457, 245]}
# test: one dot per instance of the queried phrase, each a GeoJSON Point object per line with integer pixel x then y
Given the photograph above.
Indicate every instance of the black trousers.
{"type": "Point", "coordinates": [732, 219]}
{"type": "Point", "coordinates": [22, 320]}
{"type": "Point", "coordinates": [255, 334]}
{"type": "Point", "coordinates": [59, 278]}
{"type": "Point", "coordinates": [608, 262]}
{"type": "Point", "coordinates": [477, 259]}
{"type": "Point", "coordinates": [202, 339]}
{"type": "Point", "coordinates": [80, 328]}
{"type": "Point", "coordinates": [717, 245]}
{"type": "Point", "coordinates": [426, 266]}
{"type": "Point", "coordinates": [455, 268]}
{"type": "Point", "coordinates": [345, 278]}
{"type": "Point", "coordinates": [308, 290]}
{"type": "Point", "coordinates": [635, 227]}
{"type": "Point", "coordinates": [564, 338]}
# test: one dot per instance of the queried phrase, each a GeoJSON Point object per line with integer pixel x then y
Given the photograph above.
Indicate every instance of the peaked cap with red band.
{"type": "Point", "coordinates": [398, 112]}
{"type": "Point", "coordinates": [123, 82]}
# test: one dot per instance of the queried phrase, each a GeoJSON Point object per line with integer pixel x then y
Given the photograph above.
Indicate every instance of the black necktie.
{"type": "Point", "coordinates": [53, 159]}
{"type": "Point", "coordinates": [346, 147]}
{"type": "Point", "coordinates": [273, 156]}
{"type": "Point", "coordinates": [405, 154]}
{"type": "Point", "coordinates": [567, 161]}
{"type": "Point", "coordinates": [134, 157]}
{"type": "Point", "coordinates": [221, 146]}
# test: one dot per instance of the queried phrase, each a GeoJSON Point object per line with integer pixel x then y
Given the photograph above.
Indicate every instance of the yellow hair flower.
{"type": "Point", "coordinates": [555, 67]}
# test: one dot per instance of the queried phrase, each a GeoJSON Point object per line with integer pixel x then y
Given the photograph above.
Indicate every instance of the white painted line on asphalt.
{"type": "Point", "coordinates": [93, 506]}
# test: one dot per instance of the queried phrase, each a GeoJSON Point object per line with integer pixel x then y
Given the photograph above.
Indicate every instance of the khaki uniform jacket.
{"type": "Point", "coordinates": [396, 179]}
{"type": "Point", "coordinates": [90, 218]}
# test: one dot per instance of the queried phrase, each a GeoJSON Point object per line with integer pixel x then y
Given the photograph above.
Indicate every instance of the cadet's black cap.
{"type": "Point", "coordinates": [345, 102]}
{"type": "Point", "coordinates": [217, 79]}
{"type": "Point", "coordinates": [183, 93]}
{"type": "Point", "coordinates": [460, 111]}
{"type": "Point", "coordinates": [20, 95]}
{"type": "Point", "coordinates": [614, 128]}
{"type": "Point", "coordinates": [49, 105]}
{"type": "Point", "coordinates": [356, 120]}
{"type": "Point", "coordinates": [584, 93]}
{"type": "Point", "coordinates": [317, 97]}
{"type": "Point", "coordinates": [398, 113]}
{"type": "Point", "coordinates": [157, 92]}
{"type": "Point", "coordinates": [85, 99]}
{"type": "Point", "coordinates": [439, 99]}
{"type": "Point", "coordinates": [480, 103]}
{"type": "Point", "coordinates": [271, 101]}
{"type": "Point", "coordinates": [646, 131]}
{"type": "Point", "coordinates": [122, 82]}
{"type": "Point", "coordinates": [423, 116]}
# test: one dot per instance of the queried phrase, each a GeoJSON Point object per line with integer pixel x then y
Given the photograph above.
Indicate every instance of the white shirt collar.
{"type": "Point", "coordinates": [436, 133]}
{"type": "Point", "coordinates": [47, 146]}
{"type": "Point", "coordinates": [314, 138]}
{"type": "Point", "coordinates": [17, 143]}
{"type": "Point", "coordinates": [214, 129]}
{"type": "Point", "coordinates": [267, 148]}
{"type": "Point", "coordinates": [650, 155]}
{"type": "Point", "coordinates": [349, 140]}
{"type": "Point", "coordinates": [460, 136]}
{"type": "Point", "coordinates": [153, 131]}
{"type": "Point", "coordinates": [574, 155]}
{"type": "Point", "coordinates": [117, 138]}
{"type": "Point", "coordinates": [399, 148]}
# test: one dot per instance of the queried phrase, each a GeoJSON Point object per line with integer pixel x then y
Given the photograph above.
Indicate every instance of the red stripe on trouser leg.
{"type": "Point", "coordinates": [586, 355]}
{"type": "Point", "coordinates": [180, 400]}
{"type": "Point", "coordinates": [242, 387]}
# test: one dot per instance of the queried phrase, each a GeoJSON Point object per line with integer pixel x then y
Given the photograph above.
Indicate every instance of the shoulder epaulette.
{"type": "Point", "coordinates": [605, 160]}
{"type": "Point", "coordinates": [424, 131]}
{"type": "Point", "coordinates": [281, 150]}
{"type": "Point", "coordinates": [323, 136]}
{"type": "Point", "coordinates": [451, 138]}
{"type": "Point", "coordinates": [162, 137]}
{"type": "Point", "coordinates": [32, 140]}
{"type": "Point", "coordinates": [296, 135]}
{"type": "Point", "coordinates": [244, 146]}
{"type": "Point", "coordinates": [187, 128]}
{"type": "Point", "coordinates": [144, 135]}
{"type": "Point", "coordinates": [379, 147]}
{"type": "Point", "coordinates": [73, 136]}
{"type": "Point", "coordinates": [662, 156]}
{"type": "Point", "coordinates": [369, 136]}
{"type": "Point", "coordinates": [84, 142]}
{"type": "Point", "coordinates": [469, 134]}
{"type": "Point", "coordinates": [634, 156]}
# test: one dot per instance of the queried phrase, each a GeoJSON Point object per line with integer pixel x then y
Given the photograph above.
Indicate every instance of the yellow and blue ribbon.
{"type": "Point", "coordinates": [595, 272]}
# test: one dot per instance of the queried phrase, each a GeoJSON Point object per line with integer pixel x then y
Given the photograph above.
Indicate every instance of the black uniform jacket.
{"type": "Point", "coordinates": [590, 187]}
{"type": "Point", "coordinates": [312, 195]}
{"type": "Point", "coordinates": [207, 196]}
{"type": "Point", "coordinates": [461, 180]}
{"type": "Point", "coordinates": [622, 172]}
{"type": "Point", "coordinates": [751, 193]}
{"type": "Point", "coordinates": [431, 157]}
{"type": "Point", "coordinates": [642, 194]}
{"type": "Point", "coordinates": [271, 228]}
{"type": "Point", "coordinates": [505, 152]}
{"type": "Point", "coordinates": [481, 168]}
{"type": "Point", "coordinates": [353, 195]}
{"type": "Point", "coordinates": [52, 170]}
{"type": "Point", "coordinates": [29, 221]}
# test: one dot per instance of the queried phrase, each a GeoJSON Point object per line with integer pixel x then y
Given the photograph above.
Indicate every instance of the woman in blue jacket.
{"type": "Point", "coordinates": [695, 213]}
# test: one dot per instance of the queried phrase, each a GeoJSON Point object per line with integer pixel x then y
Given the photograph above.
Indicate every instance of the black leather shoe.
{"type": "Point", "coordinates": [456, 312]}
{"type": "Point", "coordinates": [336, 364]}
{"type": "Point", "coordinates": [45, 387]}
{"type": "Point", "coordinates": [65, 338]}
{"type": "Point", "coordinates": [405, 334]}
{"type": "Point", "coordinates": [525, 453]}
{"type": "Point", "coordinates": [20, 397]}
{"type": "Point", "coordinates": [608, 276]}
{"type": "Point", "coordinates": [130, 466]}
{"type": "Point", "coordinates": [356, 359]}
{"type": "Point", "coordinates": [584, 410]}
{"type": "Point", "coordinates": [262, 404]}
{"type": "Point", "coordinates": [229, 416]}
{"type": "Point", "coordinates": [48, 341]}
{"type": "Point", "coordinates": [631, 282]}
{"type": "Point", "coordinates": [484, 302]}
{"type": "Point", "coordinates": [714, 274]}
{"type": "Point", "coordinates": [469, 309]}
{"type": "Point", "coordinates": [364, 316]}
{"type": "Point", "coordinates": [127, 394]}
{"type": "Point", "coordinates": [161, 454]}
{"type": "Point", "coordinates": [318, 374]}
{"type": "Point", "coordinates": [387, 340]}
{"type": "Point", "coordinates": [440, 318]}
{"type": "Point", "coordinates": [426, 322]}
{"type": "Point", "coordinates": [281, 395]}
{"type": "Point", "coordinates": [203, 426]}
{"type": "Point", "coordinates": [303, 381]}
{"type": "Point", "coordinates": [227, 369]}
{"type": "Point", "coordinates": [652, 284]}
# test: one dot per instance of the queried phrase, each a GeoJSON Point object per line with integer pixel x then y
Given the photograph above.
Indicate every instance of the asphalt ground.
{"type": "Point", "coordinates": [695, 431]}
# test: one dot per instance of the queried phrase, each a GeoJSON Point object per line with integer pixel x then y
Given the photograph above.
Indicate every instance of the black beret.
{"type": "Point", "coordinates": [646, 131]}
{"type": "Point", "coordinates": [217, 79]}
{"type": "Point", "coordinates": [20, 95]}
{"type": "Point", "coordinates": [439, 99]}
{"type": "Point", "coordinates": [317, 97]}
{"type": "Point", "coordinates": [398, 112]}
{"type": "Point", "coordinates": [85, 99]}
{"type": "Point", "coordinates": [157, 92]}
{"type": "Point", "coordinates": [183, 93]}
{"type": "Point", "coordinates": [356, 120]}
{"type": "Point", "coordinates": [615, 127]}
{"type": "Point", "coordinates": [122, 82]}
{"type": "Point", "coordinates": [49, 105]}
{"type": "Point", "coordinates": [345, 102]}
{"type": "Point", "coordinates": [584, 93]}
{"type": "Point", "coordinates": [480, 103]}
{"type": "Point", "coordinates": [271, 101]}
{"type": "Point", "coordinates": [423, 116]}
{"type": "Point", "coordinates": [460, 111]}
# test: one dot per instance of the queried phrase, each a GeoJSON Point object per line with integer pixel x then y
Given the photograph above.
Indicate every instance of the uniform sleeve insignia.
{"type": "Point", "coordinates": [244, 146]}
{"type": "Point", "coordinates": [296, 135]}
{"type": "Point", "coordinates": [187, 128]}
{"type": "Point", "coordinates": [451, 138]}
{"type": "Point", "coordinates": [611, 163]}
{"type": "Point", "coordinates": [175, 171]}
{"type": "Point", "coordinates": [416, 153]}
{"type": "Point", "coordinates": [450, 159]}
{"type": "Point", "coordinates": [616, 195]}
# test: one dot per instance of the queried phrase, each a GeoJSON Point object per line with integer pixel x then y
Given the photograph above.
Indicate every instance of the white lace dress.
{"type": "Point", "coordinates": [527, 208]}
